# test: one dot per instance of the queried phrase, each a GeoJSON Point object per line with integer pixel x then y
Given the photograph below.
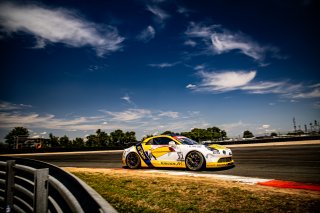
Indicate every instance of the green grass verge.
{"type": "Point", "coordinates": [128, 192]}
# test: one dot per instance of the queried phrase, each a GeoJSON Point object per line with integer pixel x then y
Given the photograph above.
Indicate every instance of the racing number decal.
{"type": "Point", "coordinates": [143, 155]}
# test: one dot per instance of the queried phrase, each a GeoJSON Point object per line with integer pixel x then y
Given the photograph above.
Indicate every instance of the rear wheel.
{"type": "Point", "coordinates": [195, 161]}
{"type": "Point", "coordinates": [133, 160]}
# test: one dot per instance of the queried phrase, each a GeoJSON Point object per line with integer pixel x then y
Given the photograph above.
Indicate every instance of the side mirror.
{"type": "Point", "coordinates": [172, 143]}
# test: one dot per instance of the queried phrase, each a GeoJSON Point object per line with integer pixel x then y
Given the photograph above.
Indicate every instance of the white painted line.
{"type": "Point", "coordinates": [63, 153]}
{"type": "Point", "coordinates": [239, 179]}
{"type": "Point", "coordinates": [287, 143]}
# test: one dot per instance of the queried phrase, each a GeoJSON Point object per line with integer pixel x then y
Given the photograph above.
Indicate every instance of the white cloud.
{"type": "Point", "coordinates": [34, 120]}
{"type": "Point", "coordinates": [169, 114]}
{"type": "Point", "coordinates": [158, 12]}
{"type": "Point", "coordinates": [147, 34]}
{"type": "Point", "coordinates": [58, 25]}
{"type": "Point", "coordinates": [190, 42]}
{"type": "Point", "coordinates": [184, 11]}
{"type": "Point", "coordinates": [224, 42]}
{"type": "Point", "coordinates": [200, 67]}
{"type": "Point", "coordinates": [316, 105]}
{"type": "Point", "coordinates": [220, 40]}
{"type": "Point", "coordinates": [224, 81]}
{"type": "Point", "coordinates": [235, 129]}
{"type": "Point", "coordinates": [127, 98]}
{"type": "Point", "coordinates": [191, 86]}
{"type": "Point", "coordinates": [199, 31]}
{"type": "Point", "coordinates": [164, 65]}
{"type": "Point", "coordinates": [313, 93]}
{"type": "Point", "coordinates": [160, 16]}
{"type": "Point", "coordinates": [7, 106]}
{"type": "Point", "coordinates": [128, 115]}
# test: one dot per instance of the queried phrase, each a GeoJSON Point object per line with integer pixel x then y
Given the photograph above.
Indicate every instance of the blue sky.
{"type": "Point", "coordinates": [71, 68]}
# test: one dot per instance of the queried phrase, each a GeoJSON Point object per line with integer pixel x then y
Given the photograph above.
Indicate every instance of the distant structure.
{"type": "Point", "coordinates": [294, 124]}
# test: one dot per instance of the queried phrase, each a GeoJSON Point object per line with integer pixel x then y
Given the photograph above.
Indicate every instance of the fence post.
{"type": "Point", "coordinates": [9, 186]}
{"type": "Point", "coordinates": [40, 199]}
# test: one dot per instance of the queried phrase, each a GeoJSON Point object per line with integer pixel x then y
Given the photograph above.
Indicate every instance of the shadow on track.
{"type": "Point", "coordinates": [183, 169]}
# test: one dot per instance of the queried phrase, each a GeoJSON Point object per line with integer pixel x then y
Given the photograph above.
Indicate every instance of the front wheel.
{"type": "Point", "coordinates": [133, 160]}
{"type": "Point", "coordinates": [195, 161]}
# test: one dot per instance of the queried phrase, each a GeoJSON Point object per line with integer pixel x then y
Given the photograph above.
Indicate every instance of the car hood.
{"type": "Point", "coordinates": [217, 146]}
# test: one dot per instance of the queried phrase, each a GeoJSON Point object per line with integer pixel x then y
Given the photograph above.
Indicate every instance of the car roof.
{"type": "Point", "coordinates": [160, 136]}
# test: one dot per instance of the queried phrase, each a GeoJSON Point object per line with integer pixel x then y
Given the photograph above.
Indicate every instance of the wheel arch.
{"type": "Point", "coordinates": [204, 165]}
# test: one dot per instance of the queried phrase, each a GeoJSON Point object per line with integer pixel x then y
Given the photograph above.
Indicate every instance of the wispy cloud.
{"type": "Point", "coordinates": [235, 128]}
{"type": "Point", "coordinates": [127, 99]}
{"type": "Point", "coordinates": [160, 15]}
{"type": "Point", "coordinates": [219, 40]}
{"type": "Point", "coordinates": [190, 43]}
{"type": "Point", "coordinates": [58, 25]}
{"type": "Point", "coordinates": [183, 10]}
{"type": "Point", "coordinates": [147, 34]}
{"type": "Point", "coordinates": [316, 105]}
{"type": "Point", "coordinates": [164, 65]}
{"type": "Point", "coordinates": [7, 106]}
{"type": "Point", "coordinates": [169, 114]}
{"type": "Point", "coordinates": [313, 92]}
{"type": "Point", "coordinates": [128, 115]}
{"type": "Point", "coordinates": [225, 81]}
{"type": "Point", "coordinates": [35, 120]}
{"type": "Point", "coordinates": [191, 86]}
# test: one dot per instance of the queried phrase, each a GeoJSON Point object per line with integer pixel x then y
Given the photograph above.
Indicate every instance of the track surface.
{"type": "Point", "coordinates": [299, 163]}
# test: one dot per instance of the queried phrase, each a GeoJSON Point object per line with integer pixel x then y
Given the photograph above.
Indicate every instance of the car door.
{"type": "Point", "coordinates": [164, 154]}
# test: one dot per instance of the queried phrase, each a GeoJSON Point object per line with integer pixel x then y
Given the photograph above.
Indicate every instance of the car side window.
{"type": "Point", "coordinates": [163, 141]}
{"type": "Point", "coordinates": [150, 142]}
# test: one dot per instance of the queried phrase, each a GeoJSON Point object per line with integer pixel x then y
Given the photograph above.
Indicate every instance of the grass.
{"type": "Point", "coordinates": [131, 191]}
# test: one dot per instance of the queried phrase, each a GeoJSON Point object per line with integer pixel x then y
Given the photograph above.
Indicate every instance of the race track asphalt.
{"type": "Point", "coordinates": [299, 163]}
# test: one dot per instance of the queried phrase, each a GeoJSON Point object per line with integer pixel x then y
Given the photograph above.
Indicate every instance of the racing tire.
{"type": "Point", "coordinates": [133, 160]}
{"type": "Point", "coordinates": [195, 161]}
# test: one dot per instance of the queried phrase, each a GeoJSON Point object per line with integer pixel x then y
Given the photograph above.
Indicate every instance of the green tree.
{"type": "Point", "coordinates": [273, 134]}
{"type": "Point", "coordinates": [13, 136]}
{"type": "Point", "coordinates": [145, 137]}
{"type": "Point", "coordinates": [223, 134]}
{"type": "Point", "coordinates": [91, 140]}
{"type": "Point", "coordinates": [214, 133]}
{"type": "Point", "coordinates": [167, 132]}
{"type": "Point", "coordinates": [102, 138]}
{"type": "Point", "coordinates": [65, 142]}
{"type": "Point", "coordinates": [117, 136]}
{"type": "Point", "coordinates": [53, 140]}
{"type": "Point", "coordinates": [129, 137]}
{"type": "Point", "coordinates": [247, 134]}
{"type": "Point", "coordinates": [78, 142]}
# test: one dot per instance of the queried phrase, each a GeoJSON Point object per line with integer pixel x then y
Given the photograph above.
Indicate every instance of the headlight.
{"type": "Point", "coordinates": [215, 151]}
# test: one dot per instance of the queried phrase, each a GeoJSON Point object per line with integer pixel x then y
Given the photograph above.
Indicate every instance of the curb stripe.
{"type": "Point", "coordinates": [290, 185]}
{"type": "Point", "coordinates": [246, 180]}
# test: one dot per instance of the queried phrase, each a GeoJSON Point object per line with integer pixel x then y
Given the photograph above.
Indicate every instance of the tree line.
{"type": "Point", "coordinates": [115, 138]}
{"type": "Point", "coordinates": [99, 139]}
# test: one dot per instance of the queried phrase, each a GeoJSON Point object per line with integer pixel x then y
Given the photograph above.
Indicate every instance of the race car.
{"type": "Point", "coordinates": [177, 152]}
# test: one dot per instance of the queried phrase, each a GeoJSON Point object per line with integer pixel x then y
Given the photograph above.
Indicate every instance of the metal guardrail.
{"type": "Point", "coordinates": [33, 186]}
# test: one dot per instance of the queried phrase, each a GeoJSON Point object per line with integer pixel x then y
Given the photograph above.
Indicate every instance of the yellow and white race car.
{"type": "Point", "coordinates": [178, 152]}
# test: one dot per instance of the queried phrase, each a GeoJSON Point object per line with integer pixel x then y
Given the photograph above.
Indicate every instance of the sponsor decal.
{"type": "Point", "coordinates": [180, 156]}
{"type": "Point", "coordinates": [160, 151]}
{"type": "Point", "coordinates": [171, 163]}
{"type": "Point", "coordinates": [195, 146]}
{"type": "Point", "coordinates": [143, 155]}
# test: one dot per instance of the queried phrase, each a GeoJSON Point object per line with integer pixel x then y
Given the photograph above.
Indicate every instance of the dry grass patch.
{"type": "Point", "coordinates": [136, 191]}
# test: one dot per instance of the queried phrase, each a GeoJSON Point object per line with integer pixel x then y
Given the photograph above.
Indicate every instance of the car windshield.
{"type": "Point", "coordinates": [186, 141]}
